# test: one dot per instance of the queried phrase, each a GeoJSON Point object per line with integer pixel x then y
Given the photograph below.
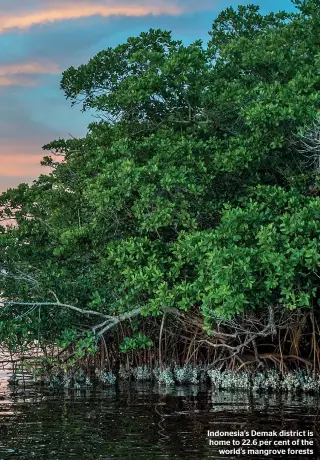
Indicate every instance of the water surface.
{"type": "Point", "coordinates": [141, 422]}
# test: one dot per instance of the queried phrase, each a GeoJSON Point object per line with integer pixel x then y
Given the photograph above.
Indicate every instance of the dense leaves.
{"type": "Point", "coordinates": [189, 193]}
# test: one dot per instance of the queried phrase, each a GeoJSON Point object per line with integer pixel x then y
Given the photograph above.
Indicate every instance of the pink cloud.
{"type": "Point", "coordinates": [19, 74]}
{"type": "Point", "coordinates": [19, 164]}
{"type": "Point", "coordinates": [12, 81]}
{"type": "Point", "coordinates": [29, 68]}
{"type": "Point", "coordinates": [69, 9]}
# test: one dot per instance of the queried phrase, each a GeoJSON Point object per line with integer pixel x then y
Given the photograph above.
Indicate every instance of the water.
{"type": "Point", "coordinates": [141, 422]}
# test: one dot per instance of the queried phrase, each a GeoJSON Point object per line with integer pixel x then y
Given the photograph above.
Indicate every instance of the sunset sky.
{"type": "Point", "coordinates": [41, 38]}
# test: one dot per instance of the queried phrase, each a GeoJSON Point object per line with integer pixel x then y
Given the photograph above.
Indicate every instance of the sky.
{"type": "Point", "coordinates": [39, 39]}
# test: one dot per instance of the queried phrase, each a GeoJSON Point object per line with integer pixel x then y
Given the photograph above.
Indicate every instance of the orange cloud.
{"type": "Point", "coordinates": [24, 20]}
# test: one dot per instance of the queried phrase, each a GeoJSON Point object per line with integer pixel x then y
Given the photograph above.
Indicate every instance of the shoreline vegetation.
{"type": "Point", "coordinates": [179, 240]}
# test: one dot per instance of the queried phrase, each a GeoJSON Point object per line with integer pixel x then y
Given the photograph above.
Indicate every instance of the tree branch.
{"type": "Point", "coordinates": [57, 304]}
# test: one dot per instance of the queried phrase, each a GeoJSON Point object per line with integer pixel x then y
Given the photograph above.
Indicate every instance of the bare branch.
{"type": "Point", "coordinates": [310, 143]}
{"type": "Point", "coordinates": [56, 304]}
{"type": "Point", "coordinates": [113, 321]}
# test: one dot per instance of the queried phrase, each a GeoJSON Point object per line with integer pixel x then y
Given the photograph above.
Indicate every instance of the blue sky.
{"type": "Point", "coordinates": [41, 38]}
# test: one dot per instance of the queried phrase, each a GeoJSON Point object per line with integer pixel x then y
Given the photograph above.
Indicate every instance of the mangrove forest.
{"type": "Point", "coordinates": [179, 240]}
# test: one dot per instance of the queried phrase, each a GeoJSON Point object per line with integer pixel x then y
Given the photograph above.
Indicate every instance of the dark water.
{"type": "Point", "coordinates": [143, 422]}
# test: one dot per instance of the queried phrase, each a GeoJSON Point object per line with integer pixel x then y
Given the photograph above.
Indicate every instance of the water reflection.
{"type": "Point", "coordinates": [140, 421]}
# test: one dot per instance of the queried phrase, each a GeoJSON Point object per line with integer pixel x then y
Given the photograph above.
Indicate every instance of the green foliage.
{"type": "Point", "coordinates": [137, 341]}
{"type": "Point", "coordinates": [190, 192]}
{"type": "Point", "coordinates": [265, 252]}
{"type": "Point", "coordinates": [67, 338]}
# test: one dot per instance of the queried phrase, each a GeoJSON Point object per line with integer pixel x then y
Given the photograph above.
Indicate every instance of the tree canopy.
{"type": "Point", "coordinates": [196, 192]}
